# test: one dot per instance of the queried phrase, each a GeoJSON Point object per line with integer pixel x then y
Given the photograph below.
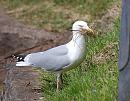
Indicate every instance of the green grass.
{"type": "Point", "coordinates": [56, 15]}
{"type": "Point", "coordinates": [81, 6]}
{"type": "Point", "coordinates": [90, 81]}
{"type": "Point", "coordinates": [93, 7]}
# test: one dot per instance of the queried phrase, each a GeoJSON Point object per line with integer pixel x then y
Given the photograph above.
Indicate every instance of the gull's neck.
{"type": "Point", "coordinates": [76, 35]}
{"type": "Point", "coordinates": [78, 41]}
{"type": "Point", "coordinates": [76, 47]}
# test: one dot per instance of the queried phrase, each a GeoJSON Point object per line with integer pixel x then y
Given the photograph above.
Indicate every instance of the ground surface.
{"type": "Point", "coordinates": [16, 38]}
{"type": "Point", "coordinates": [96, 78]}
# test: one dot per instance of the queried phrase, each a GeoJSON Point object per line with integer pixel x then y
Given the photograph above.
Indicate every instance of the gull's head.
{"type": "Point", "coordinates": [82, 28]}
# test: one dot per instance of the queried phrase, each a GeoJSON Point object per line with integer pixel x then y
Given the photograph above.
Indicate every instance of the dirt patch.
{"type": "Point", "coordinates": [22, 84]}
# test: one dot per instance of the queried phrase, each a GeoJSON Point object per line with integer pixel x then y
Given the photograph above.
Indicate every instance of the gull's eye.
{"type": "Point", "coordinates": [81, 25]}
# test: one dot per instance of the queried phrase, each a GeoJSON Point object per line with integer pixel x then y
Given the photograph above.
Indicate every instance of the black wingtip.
{"type": "Point", "coordinates": [18, 57]}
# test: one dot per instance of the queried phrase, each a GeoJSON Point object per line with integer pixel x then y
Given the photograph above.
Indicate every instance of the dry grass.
{"type": "Point", "coordinates": [108, 53]}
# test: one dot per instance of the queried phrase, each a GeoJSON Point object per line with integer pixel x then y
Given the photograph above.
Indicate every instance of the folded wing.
{"type": "Point", "coordinates": [52, 60]}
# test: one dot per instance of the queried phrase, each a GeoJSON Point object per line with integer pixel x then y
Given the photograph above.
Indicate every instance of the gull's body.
{"type": "Point", "coordinates": [63, 57]}
{"type": "Point", "coordinates": [58, 58]}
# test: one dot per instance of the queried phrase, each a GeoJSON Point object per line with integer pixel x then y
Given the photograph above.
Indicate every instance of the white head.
{"type": "Point", "coordinates": [79, 24]}
{"type": "Point", "coordinates": [82, 28]}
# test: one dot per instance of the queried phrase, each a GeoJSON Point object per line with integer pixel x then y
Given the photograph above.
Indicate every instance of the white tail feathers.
{"type": "Point", "coordinates": [23, 64]}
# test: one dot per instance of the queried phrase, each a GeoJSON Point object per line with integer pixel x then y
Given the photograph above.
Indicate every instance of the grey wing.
{"type": "Point", "coordinates": [60, 50]}
{"type": "Point", "coordinates": [52, 60]}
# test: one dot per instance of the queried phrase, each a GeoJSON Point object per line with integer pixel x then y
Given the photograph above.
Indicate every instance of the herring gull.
{"type": "Point", "coordinates": [63, 57]}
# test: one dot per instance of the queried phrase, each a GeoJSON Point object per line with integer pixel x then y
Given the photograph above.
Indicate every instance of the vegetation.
{"type": "Point", "coordinates": [96, 78]}
{"type": "Point", "coordinates": [56, 15]}
{"type": "Point", "coordinates": [92, 81]}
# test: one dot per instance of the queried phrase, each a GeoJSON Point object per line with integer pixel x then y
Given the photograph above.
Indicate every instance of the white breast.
{"type": "Point", "coordinates": [77, 49]}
